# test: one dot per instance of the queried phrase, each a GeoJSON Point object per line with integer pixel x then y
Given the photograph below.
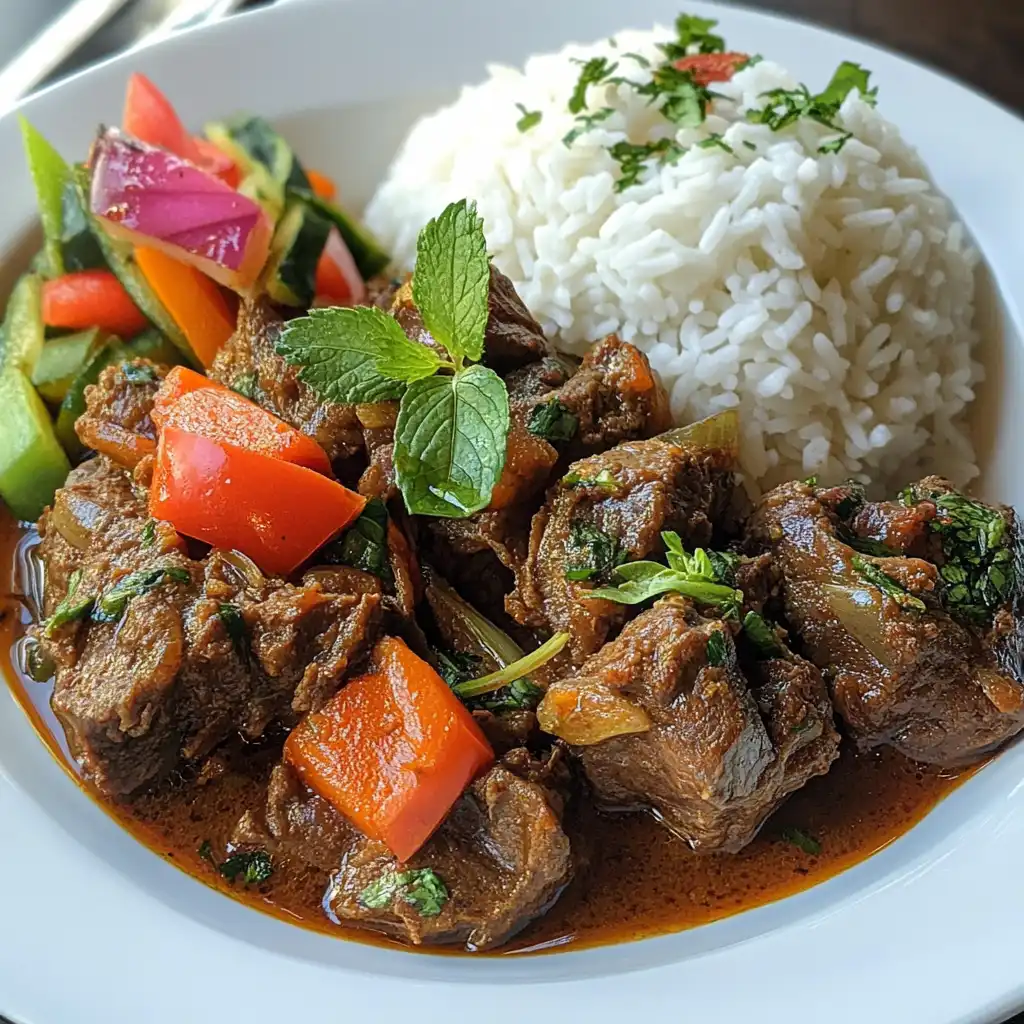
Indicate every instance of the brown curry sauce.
{"type": "Point", "coordinates": [864, 803]}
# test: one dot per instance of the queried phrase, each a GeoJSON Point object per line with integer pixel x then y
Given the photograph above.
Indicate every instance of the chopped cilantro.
{"type": "Point", "coordinates": [761, 636]}
{"type": "Point", "coordinates": [887, 585]}
{"type": "Point", "coordinates": [553, 421]}
{"type": "Point", "coordinates": [148, 534]}
{"type": "Point", "coordinates": [530, 118]}
{"type": "Point", "coordinates": [715, 140]}
{"type": "Point", "coordinates": [421, 888]}
{"type": "Point", "coordinates": [594, 72]}
{"type": "Point", "coordinates": [253, 868]}
{"type": "Point", "coordinates": [111, 605]}
{"type": "Point", "coordinates": [633, 158]}
{"type": "Point", "coordinates": [69, 610]}
{"type": "Point", "coordinates": [234, 625]}
{"type": "Point", "coordinates": [136, 373]}
{"type": "Point", "coordinates": [591, 553]}
{"type": "Point", "coordinates": [797, 837]}
{"type": "Point", "coordinates": [584, 123]}
{"type": "Point", "coordinates": [683, 101]}
{"type": "Point", "coordinates": [245, 385]}
{"type": "Point", "coordinates": [716, 649]}
{"type": "Point", "coordinates": [693, 34]}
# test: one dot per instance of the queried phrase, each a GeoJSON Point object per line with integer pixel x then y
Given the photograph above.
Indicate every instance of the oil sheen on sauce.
{"type": "Point", "coordinates": [863, 804]}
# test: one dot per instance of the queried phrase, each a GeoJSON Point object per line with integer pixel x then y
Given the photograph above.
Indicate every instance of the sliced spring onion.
{"type": "Point", "coordinates": [510, 673]}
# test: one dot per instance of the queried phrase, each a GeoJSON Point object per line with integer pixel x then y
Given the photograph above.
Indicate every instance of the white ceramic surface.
{"type": "Point", "coordinates": [95, 928]}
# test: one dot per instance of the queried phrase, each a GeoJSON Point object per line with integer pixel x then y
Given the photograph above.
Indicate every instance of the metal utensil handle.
{"type": "Point", "coordinates": [52, 46]}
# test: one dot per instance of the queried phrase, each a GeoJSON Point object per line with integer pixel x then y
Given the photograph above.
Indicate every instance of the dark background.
{"type": "Point", "coordinates": [978, 41]}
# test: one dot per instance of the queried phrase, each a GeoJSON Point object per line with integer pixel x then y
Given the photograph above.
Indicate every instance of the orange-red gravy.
{"type": "Point", "coordinates": [640, 880]}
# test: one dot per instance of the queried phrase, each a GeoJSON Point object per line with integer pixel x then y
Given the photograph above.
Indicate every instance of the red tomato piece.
{"type": "Point", "coordinates": [275, 512]}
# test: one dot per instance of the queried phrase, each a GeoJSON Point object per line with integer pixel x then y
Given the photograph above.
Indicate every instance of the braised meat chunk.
{"type": "Point", "coordinates": [249, 363]}
{"type": "Point", "coordinates": [610, 509]}
{"type": "Point", "coordinates": [663, 717]}
{"type": "Point", "coordinates": [117, 419]}
{"type": "Point", "coordinates": [159, 656]}
{"type": "Point", "coordinates": [498, 861]}
{"type": "Point", "coordinates": [920, 654]}
{"type": "Point", "coordinates": [512, 336]}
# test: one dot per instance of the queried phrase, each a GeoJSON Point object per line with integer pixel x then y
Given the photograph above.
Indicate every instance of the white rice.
{"type": "Point", "coordinates": [830, 297]}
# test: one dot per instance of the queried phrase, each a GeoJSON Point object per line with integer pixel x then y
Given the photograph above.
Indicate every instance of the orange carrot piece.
{"type": "Point", "coordinates": [192, 299]}
{"type": "Point", "coordinates": [392, 750]}
{"type": "Point", "coordinates": [194, 403]}
{"type": "Point", "coordinates": [322, 185]}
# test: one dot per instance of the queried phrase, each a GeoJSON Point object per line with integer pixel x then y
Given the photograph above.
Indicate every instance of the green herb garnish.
{"type": "Point", "coordinates": [148, 535]}
{"type": "Point", "coordinates": [693, 576]}
{"type": "Point", "coordinates": [553, 421]}
{"type": "Point", "coordinates": [253, 868]}
{"type": "Point", "coordinates": [692, 33]}
{"type": "Point", "coordinates": [801, 839]}
{"type": "Point", "coordinates": [110, 607]}
{"type": "Point", "coordinates": [978, 573]}
{"type": "Point", "coordinates": [683, 101]}
{"type": "Point", "coordinates": [206, 851]}
{"type": "Point", "coordinates": [135, 374]}
{"type": "Point", "coordinates": [786, 106]}
{"type": "Point", "coordinates": [234, 625]}
{"type": "Point", "coordinates": [454, 667]}
{"type": "Point", "coordinates": [633, 159]}
{"type": "Point", "coordinates": [715, 140]}
{"type": "Point", "coordinates": [421, 888]}
{"type": "Point", "coordinates": [519, 695]}
{"type": "Point", "coordinates": [245, 385]}
{"type": "Point", "coordinates": [887, 585]}
{"type": "Point", "coordinates": [716, 649]}
{"type": "Point", "coordinates": [530, 118]}
{"type": "Point", "coordinates": [605, 480]}
{"type": "Point", "coordinates": [453, 418]}
{"type": "Point", "coordinates": [591, 553]}
{"type": "Point", "coordinates": [761, 636]}
{"type": "Point", "coordinates": [584, 123]}
{"type": "Point", "coordinates": [724, 563]}
{"type": "Point", "coordinates": [364, 544]}
{"type": "Point", "coordinates": [594, 72]}
{"type": "Point", "coordinates": [69, 610]}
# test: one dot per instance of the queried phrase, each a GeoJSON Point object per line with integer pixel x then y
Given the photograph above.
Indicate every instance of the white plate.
{"type": "Point", "coordinates": [95, 928]}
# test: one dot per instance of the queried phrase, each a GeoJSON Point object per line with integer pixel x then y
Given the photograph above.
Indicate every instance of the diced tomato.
{"type": "Point", "coordinates": [712, 67]}
{"type": "Point", "coordinates": [191, 402]}
{"type": "Point", "coordinates": [274, 511]}
{"type": "Point", "coordinates": [150, 117]}
{"type": "Point", "coordinates": [322, 185]}
{"type": "Point", "coordinates": [392, 751]}
{"type": "Point", "coordinates": [216, 162]}
{"type": "Point", "coordinates": [338, 282]}
{"type": "Point", "coordinates": [91, 298]}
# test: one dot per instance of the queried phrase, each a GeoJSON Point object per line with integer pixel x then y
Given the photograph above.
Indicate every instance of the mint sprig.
{"type": "Point", "coordinates": [453, 416]}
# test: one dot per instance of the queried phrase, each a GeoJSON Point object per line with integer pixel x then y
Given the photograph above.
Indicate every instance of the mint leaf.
{"type": "Point", "coordinates": [357, 354]}
{"type": "Point", "coordinates": [452, 279]}
{"type": "Point", "coordinates": [421, 888]}
{"type": "Point", "coordinates": [450, 442]}
{"type": "Point", "coordinates": [848, 76]}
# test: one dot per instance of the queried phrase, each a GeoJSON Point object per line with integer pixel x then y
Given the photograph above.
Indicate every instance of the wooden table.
{"type": "Point", "coordinates": [978, 41]}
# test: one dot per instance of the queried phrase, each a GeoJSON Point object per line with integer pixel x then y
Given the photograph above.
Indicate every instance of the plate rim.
{"type": "Point", "coordinates": [622, 990]}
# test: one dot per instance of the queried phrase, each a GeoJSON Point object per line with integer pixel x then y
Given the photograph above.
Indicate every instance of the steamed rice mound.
{"type": "Point", "coordinates": [828, 296]}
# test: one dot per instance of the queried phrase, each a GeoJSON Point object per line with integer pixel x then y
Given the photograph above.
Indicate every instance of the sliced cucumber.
{"type": "Point", "coordinates": [22, 332]}
{"type": "Point", "coordinates": [252, 142]}
{"type": "Point", "coordinates": [121, 261]}
{"type": "Point", "coordinates": [370, 258]}
{"type": "Point", "coordinates": [32, 463]}
{"type": "Point", "coordinates": [152, 345]}
{"type": "Point", "coordinates": [73, 405]}
{"type": "Point", "coordinates": [290, 276]}
{"type": "Point", "coordinates": [78, 245]}
{"type": "Point", "coordinates": [61, 361]}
